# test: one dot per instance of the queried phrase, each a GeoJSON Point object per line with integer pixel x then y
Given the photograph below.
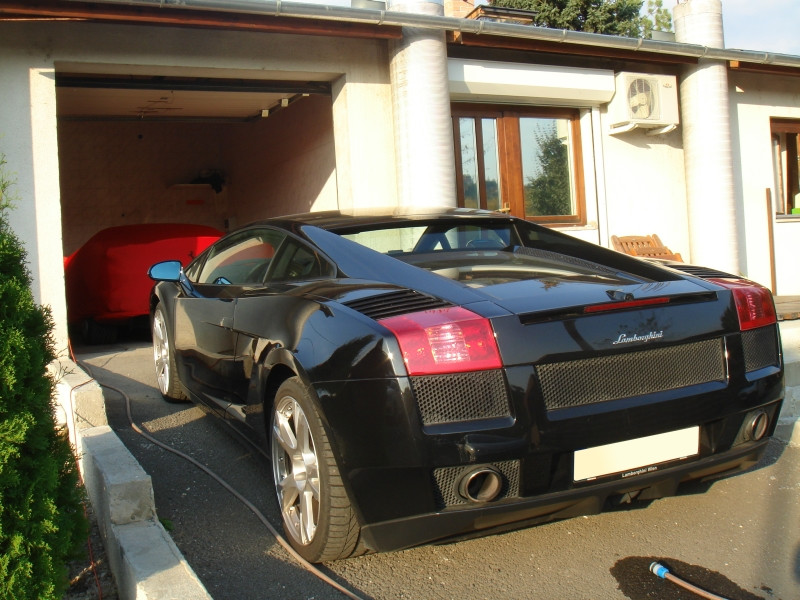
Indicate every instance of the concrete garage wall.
{"type": "Point", "coordinates": [282, 164]}
{"type": "Point", "coordinates": [122, 173]}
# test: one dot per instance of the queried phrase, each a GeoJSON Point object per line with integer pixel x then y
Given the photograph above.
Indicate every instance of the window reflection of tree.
{"type": "Point", "coordinates": [522, 160]}
{"type": "Point", "coordinates": [548, 191]}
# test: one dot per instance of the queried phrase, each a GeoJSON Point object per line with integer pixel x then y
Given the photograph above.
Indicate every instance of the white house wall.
{"type": "Point", "coordinates": [645, 187]}
{"type": "Point", "coordinates": [755, 99]}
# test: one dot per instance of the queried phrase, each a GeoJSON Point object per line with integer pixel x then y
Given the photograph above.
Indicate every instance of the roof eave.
{"type": "Point", "coordinates": [316, 19]}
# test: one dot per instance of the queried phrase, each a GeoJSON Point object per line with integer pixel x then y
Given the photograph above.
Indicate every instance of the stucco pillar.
{"type": "Point", "coordinates": [29, 139]}
{"type": "Point", "coordinates": [705, 117]}
{"type": "Point", "coordinates": [421, 110]}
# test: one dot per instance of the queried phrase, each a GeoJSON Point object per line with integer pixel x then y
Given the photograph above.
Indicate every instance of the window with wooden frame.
{"type": "Point", "coordinates": [786, 163]}
{"type": "Point", "coordinates": [522, 160]}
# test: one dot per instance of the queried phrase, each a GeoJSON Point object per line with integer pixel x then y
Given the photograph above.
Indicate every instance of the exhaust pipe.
{"type": "Point", "coordinates": [481, 485]}
{"type": "Point", "coordinates": [757, 426]}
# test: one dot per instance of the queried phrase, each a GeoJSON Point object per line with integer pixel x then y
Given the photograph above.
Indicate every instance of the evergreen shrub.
{"type": "Point", "coordinates": [42, 523]}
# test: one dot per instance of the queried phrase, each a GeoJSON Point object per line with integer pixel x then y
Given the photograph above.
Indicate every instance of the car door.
{"type": "Point", "coordinates": [274, 315]}
{"type": "Point", "coordinates": [205, 338]}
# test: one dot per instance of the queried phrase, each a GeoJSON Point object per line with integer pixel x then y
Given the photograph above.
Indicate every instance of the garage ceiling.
{"type": "Point", "coordinates": [82, 97]}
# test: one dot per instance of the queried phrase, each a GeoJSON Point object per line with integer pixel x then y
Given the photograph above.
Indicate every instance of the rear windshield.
{"type": "Point", "coordinates": [420, 239]}
{"type": "Point", "coordinates": [481, 253]}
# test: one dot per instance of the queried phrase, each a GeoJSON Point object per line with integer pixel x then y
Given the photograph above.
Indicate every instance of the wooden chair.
{"type": "Point", "coordinates": [647, 246]}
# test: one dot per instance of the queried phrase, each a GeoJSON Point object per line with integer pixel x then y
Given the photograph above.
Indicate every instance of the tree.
{"type": "Point", "coordinates": [612, 17]}
{"type": "Point", "coordinates": [658, 18]}
{"type": "Point", "coordinates": [42, 523]}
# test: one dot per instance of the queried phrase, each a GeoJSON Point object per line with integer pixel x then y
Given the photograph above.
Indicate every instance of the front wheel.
{"type": "Point", "coordinates": [317, 516]}
{"type": "Point", "coordinates": [164, 359]}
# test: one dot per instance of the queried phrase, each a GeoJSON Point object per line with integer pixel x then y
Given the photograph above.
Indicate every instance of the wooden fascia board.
{"type": "Point", "coordinates": [767, 69]}
{"type": "Point", "coordinates": [85, 11]}
{"type": "Point", "coordinates": [533, 45]}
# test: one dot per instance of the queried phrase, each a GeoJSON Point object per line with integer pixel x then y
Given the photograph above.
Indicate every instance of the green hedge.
{"type": "Point", "coordinates": [42, 523]}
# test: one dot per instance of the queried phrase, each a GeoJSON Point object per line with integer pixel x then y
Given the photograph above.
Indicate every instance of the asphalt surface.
{"type": "Point", "coordinates": [738, 537]}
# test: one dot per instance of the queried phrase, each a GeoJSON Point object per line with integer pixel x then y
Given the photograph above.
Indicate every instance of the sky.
{"type": "Point", "coordinates": [769, 25]}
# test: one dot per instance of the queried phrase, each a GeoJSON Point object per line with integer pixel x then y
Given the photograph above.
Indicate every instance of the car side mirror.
{"type": "Point", "coordinates": [169, 270]}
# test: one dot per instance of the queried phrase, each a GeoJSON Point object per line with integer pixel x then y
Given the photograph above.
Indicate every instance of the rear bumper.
{"type": "Point", "coordinates": [406, 477]}
{"type": "Point", "coordinates": [463, 523]}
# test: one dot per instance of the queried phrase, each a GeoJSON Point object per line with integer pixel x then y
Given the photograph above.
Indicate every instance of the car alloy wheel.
{"type": "Point", "coordinates": [164, 360]}
{"type": "Point", "coordinates": [319, 521]}
{"type": "Point", "coordinates": [296, 468]}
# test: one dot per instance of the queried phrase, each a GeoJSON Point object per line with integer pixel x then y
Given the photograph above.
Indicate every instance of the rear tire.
{"type": "Point", "coordinates": [164, 359]}
{"type": "Point", "coordinates": [318, 518]}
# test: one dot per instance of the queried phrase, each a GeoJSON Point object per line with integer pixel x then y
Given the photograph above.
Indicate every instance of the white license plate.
{"type": "Point", "coordinates": [634, 457]}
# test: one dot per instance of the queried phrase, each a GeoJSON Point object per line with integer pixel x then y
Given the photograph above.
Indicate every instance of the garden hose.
{"type": "Point", "coordinates": [259, 515]}
{"type": "Point", "coordinates": [661, 571]}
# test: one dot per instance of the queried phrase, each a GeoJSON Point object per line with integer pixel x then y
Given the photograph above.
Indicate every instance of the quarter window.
{"type": "Point", "coordinates": [298, 261]}
{"type": "Point", "coordinates": [525, 161]}
{"type": "Point", "coordinates": [241, 259]}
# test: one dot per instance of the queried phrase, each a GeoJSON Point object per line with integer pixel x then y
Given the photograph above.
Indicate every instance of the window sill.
{"type": "Point", "coordinates": [571, 226]}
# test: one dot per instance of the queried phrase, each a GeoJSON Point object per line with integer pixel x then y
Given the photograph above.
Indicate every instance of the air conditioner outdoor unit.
{"type": "Point", "coordinates": [644, 101]}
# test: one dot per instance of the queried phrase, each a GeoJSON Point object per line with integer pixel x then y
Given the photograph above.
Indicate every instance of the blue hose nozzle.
{"type": "Point", "coordinates": [659, 569]}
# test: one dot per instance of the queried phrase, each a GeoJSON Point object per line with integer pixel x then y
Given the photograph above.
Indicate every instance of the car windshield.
{"type": "Point", "coordinates": [486, 253]}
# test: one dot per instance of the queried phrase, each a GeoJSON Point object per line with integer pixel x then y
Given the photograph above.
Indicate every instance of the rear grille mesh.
{"type": "Point", "coordinates": [446, 481]}
{"type": "Point", "coordinates": [592, 380]}
{"type": "Point", "coordinates": [760, 348]}
{"type": "Point", "coordinates": [458, 397]}
{"type": "Point", "coordinates": [391, 304]}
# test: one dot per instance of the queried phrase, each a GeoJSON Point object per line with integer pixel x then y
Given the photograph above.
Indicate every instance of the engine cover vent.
{"type": "Point", "coordinates": [396, 303]}
{"type": "Point", "coordinates": [702, 272]}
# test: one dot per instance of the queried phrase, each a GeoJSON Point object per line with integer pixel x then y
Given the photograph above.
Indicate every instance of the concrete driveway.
{"type": "Point", "coordinates": [739, 537]}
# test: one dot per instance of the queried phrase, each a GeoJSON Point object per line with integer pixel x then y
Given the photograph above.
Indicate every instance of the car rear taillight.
{"type": "Point", "coordinates": [753, 302]}
{"type": "Point", "coordinates": [445, 340]}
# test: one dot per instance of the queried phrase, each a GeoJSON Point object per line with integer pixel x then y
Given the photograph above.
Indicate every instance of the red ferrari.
{"type": "Point", "coordinates": [106, 278]}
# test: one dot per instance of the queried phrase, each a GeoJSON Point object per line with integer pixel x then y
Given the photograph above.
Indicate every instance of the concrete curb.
{"type": "Point", "coordinates": [788, 428]}
{"type": "Point", "coordinates": [146, 563]}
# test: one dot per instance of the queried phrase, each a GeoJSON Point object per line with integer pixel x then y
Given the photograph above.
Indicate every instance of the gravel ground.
{"type": "Point", "coordinates": [90, 577]}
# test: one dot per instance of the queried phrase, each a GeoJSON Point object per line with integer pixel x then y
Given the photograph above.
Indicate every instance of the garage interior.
{"type": "Point", "coordinates": [139, 149]}
{"type": "Point", "coordinates": [184, 150]}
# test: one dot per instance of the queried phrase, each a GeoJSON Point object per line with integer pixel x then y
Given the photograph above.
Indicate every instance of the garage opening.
{"type": "Point", "coordinates": [139, 150]}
